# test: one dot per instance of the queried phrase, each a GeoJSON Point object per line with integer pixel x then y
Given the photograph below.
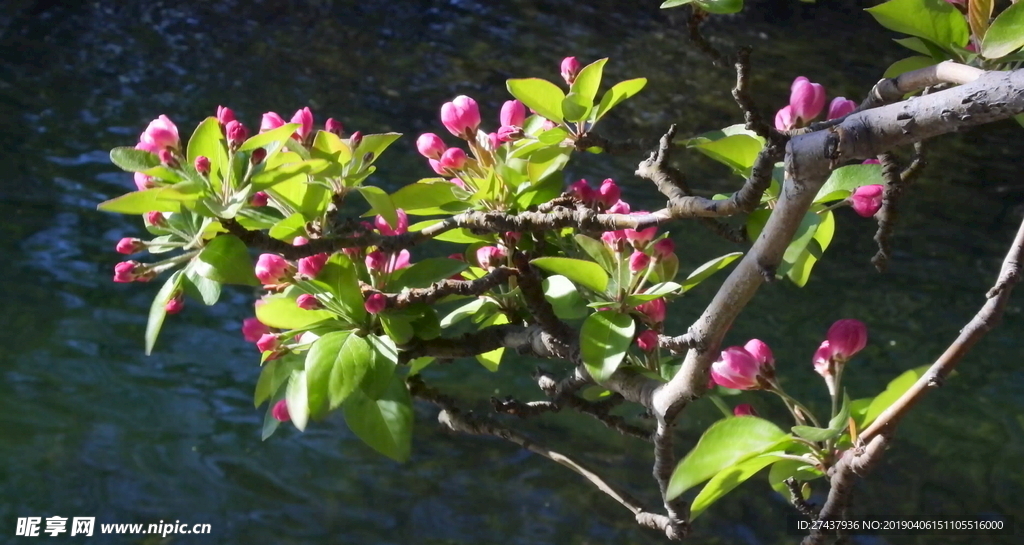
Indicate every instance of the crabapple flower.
{"type": "Point", "coordinates": [258, 155]}
{"type": "Point", "coordinates": [272, 269]}
{"type": "Point", "coordinates": [430, 145]}
{"type": "Point", "coordinates": [744, 409]}
{"type": "Point", "coordinates": [236, 133]}
{"type": "Point", "coordinates": [461, 117]}
{"type": "Point", "coordinates": [334, 126]}
{"type": "Point", "coordinates": [569, 69]}
{"type": "Point", "coordinates": [156, 219]}
{"type": "Point", "coordinates": [161, 134]}
{"type": "Point", "coordinates": [307, 302]}
{"type": "Point", "coordinates": [167, 158]}
{"type": "Point", "coordinates": [582, 191]}
{"type": "Point", "coordinates": [453, 159]}
{"type": "Point", "coordinates": [608, 194]}
{"type": "Point", "coordinates": [311, 266]}
{"type": "Point", "coordinates": [304, 118]}
{"type": "Point", "coordinates": [253, 329]}
{"type": "Point", "coordinates": [759, 349]}
{"type": "Point", "coordinates": [513, 114]}
{"type": "Point", "coordinates": [280, 411]}
{"type": "Point", "coordinates": [822, 359]}
{"type": "Point", "coordinates": [270, 121]}
{"type": "Point", "coordinates": [355, 140]}
{"type": "Point", "coordinates": [508, 133]}
{"type": "Point", "coordinates": [375, 303]}
{"type": "Point", "coordinates": [840, 107]}
{"type": "Point", "coordinates": [375, 261]}
{"type": "Point", "coordinates": [399, 261]}
{"type": "Point", "coordinates": [268, 342]}
{"type": "Point", "coordinates": [648, 340]}
{"type": "Point", "coordinates": [175, 305]}
{"type": "Point", "coordinates": [621, 207]}
{"type": "Point", "coordinates": [807, 99]}
{"type": "Point", "coordinates": [654, 310]}
{"type": "Point", "coordinates": [124, 271]}
{"type": "Point", "coordinates": [490, 256]}
{"type": "Point", "coordinates": [385, 228]}
{"type": "Point", "coordinates": [663, 248]}
{"type": "Point", "coordinates": [615, 240]}
{"type": "Point", "coordinates": [736, 369]}
{"type": "Point", "coordinates": [866, 200]}
{"type": "Point", "coordinates": [639, 261]}
{"type": "Point", "coordinates": [225, 115]}
{"type": "Point", "coordinates": [640, 238]}
{"type": "Point", "coordinates": [785, 120]}
{"type": "Point", "coordinates": [259, 199]}
{"type": "Point", "coordinates": [202, 165]}
{"type": "Point", "coordinates": [143, 182]}
{"type": "Point", "coordinates": [846, 338]}
{"type": "Point", "coordinates": [129, 246]}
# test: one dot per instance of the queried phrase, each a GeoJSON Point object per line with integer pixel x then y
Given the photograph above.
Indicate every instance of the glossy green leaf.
{"type": "Point", "coordinates": [296, 398]}
{"type": "Point", "coordinates": [280, 311]}
{"type": "Point", "coordinates": [844, 180]}
{"type": "Point", "coordinates": [584, 273]}
{"type": "Point", "coordinates": [291, 171]}
{"type": "Point", "coordinates": [914, 44]}
{"type": "Point", "coordinates": [426, 272]}
{"type": "Point", "coordinates": [726, 480]}
{"type": "Point", "coordinates": [375, 144]}
{"type": "Point", "coordinates": [597, 251]}
{"type": "Point", "coordinates": [906, 65]}
{"type": "Point", "coordinates": [225, 259]}
{"type": "Point", "coordinates": [157, 199]}
{"type": "Point", "coordinates": [200, 287]}
{"type": "Point", "coordinates": [934, 20]}
{"type": "Point", "coordinates": [785, 469]}
{"type": "Point", "coordinates": [397, 326]}
{"type": "Point", "coordinates": [674, 3]}
{"type": "Point", "coordinates": [604, 339]}
{"type": "Point", "coordinates": [384, 359]}
{"type": "Point", "coordinates": [588, 81]}
{"type": "Point", "coordinates": [274, 375]}
{"type": "Point", "coordinates": [340, 278]}
{"type": "Point", "coordinates": [738, 151]}
{"type": "Point", "coordinates": [133, 160]}
{"type": "Point", "coordinates": [335, 366]}
{"type": "Point", "coordinates": [380, 203]}
{"type": "Point", "coordinates": [539, 95]}
{"type": "Point", "coordinates": [1006, 34]}
{"type": "Point", "coordinates": [458, 236]}
{"type": "Point", "coordinates": [491, 360]}
{"type": "Point", "coordinates": [565, 299]}
{"type": "Point", "coordinates": [329, 147]}
{"type": "Point", "coordinates": [656, 291]}
{"type": "Point", "coordinates": [619, 92]}
{"type": "Point", "coordinates": [724, 444]}
{"type": "Point", "coordinates": [721, 7]}
{"type": "Point", "coordinates": [289, 228]}
{"type": "Point", "coordinates": [575, 108]}
{"type": "Point", "coordinates": [552, 136]}
{"type": "Point", "coordinates": [384, 424]}
{"type": "Point", "coordinates": [665, 269]}
{"type": "Point", "coordinates": [157, 312]}
{"type": "Point", "coordinates": [893, 391]}
{"type": "Point", "coordinates": [465, 311]}
{"type": "Point", "coordinates": [427, 199]}
{"type": "Point", "coordinates": [705, 271]}
{"type": "Point", "coordinates": [276, 136]}
{"type": "Point", "coordinates": [209, 142]}
{"type": "Point", "coordinates": [546, 162]}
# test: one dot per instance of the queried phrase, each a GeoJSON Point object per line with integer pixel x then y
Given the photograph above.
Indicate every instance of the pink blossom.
{"type": "Point", "coordinates": [156, 219]}
{"type": "Point", "coordinates": [272, 269]}
{"type": "Point", "coordinates": [436, 165]}
{"type": "Point", "coordinates": [582, 191]}
{"type": "Point", "coordinates": [280, 411]}
{"type": "Point", "coordinates": [305, 119]}
{"type": "Point", "coordinates": [615, 240]}
{"type": "Point", "coordinates": [458, 182]}
{"type": "Point", "coordinates": [608, 194]}
{"type": "Point", "coordinates": [570, 68]}
{"type": "Point", "coordinates": [376, 303]}
{"type": "Point", "coordinates": [785, 120]}
{"type": "Point", "coordinates": [307, 302]}
{"type": "Point", "coordinates": [640, 238]}
{"type": "Point", "coordinates": [744, 409]}
{"type": "Point", "coordinates": [866, 200]}
{"type": "Point", "coordinates": [253, 329]}
{"type": "Point", "coordinates": [648, 340]}
{"type": "Point", "coordinates": [202, 165]}
{"type": "Point", "coordinates": [385, 228]}
{"type": "Point", "coordinates": [225, 115]}
{"type": "Point", "coordinates": [167, 158]}
{"type": "Point", "coordinates": [161, 133]}
{"type": "Point", "coordinates": [736, 369]}
{"type": "Point", "coordinates": [259, 199]}
{"type": "Point", "coordinates": [267, 342]}
{"type": "Point", "coordinates": [840, 107]}
{"type": "Point", "coordinates": [490, 256]}
{"type": "Point", "coordinates": [823, 359]}
{"type": "Point", "coordinates": [143, 182]}
{"type": "Point", "coordinates": [621, 207]}
{"type": "Point", "coordinates": [639, 261]}
{"type": "Point", "coordinates": [258, 155]}
{"type": "Point", "coordinates": [124, 271]}
{"type": "Point", "coordinates": [236, 133]}
{"type": "Point", "coordinates": [355, 140]}
{"type": "Point", "coordinates": [807, 99]}
{"type": "Point", "coordinates": [311, 266]}
{"type": "Point", "coordinates": [654, 310]}
{"type": "Point", "coordinates": [300, 241]}
{"type": "Point", "coordinates": [461, 117]}
{"type": "Point", "coordinates": [129, 246]}
{"type": "Point", "coordinates": [846, 338]}
{"type": "Point", "coordinates": [399, 261]}
{"type": "Point", "coordinates": [271, 121]}
{"type": "Point", "coordinates": [376, 261]}
{"type": "Point", "coordinates": [175, 305]}
{"type": "Point", "coordinates": [430, 145]}
{"type": "Point", "coordinates": [453, 159]}
{"type": "Point", "coordinates": [508, 133]}
{"type": "Point", "coordinates": [513, 114]}
{"type": "Point", "coordinates": [146, 146]}
{"type": "Point", "coordinates": [663, 248]}
{"type": "Point", "coordinates": [334, 126]}
{"type": "Point", "coordinates": [872, 161]}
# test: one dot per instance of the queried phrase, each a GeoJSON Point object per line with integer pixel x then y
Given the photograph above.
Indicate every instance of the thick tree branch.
{"type": "Point", "coordinates": [445, 288]}
{"type": "Point", "coordinates": [889, 212]}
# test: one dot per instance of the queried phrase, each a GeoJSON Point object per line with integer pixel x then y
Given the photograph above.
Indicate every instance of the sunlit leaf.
{"type": "Point", "coordinates": [539, 95]}
{"type": "Point", "coordinates": [1006, 34]}
{"type": "Point", "coordinates": [585, 273]}
{"type": "Point", "coordinates": [604, 339]}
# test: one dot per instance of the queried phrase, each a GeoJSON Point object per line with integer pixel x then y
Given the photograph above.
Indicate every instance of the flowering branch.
{"type": "Point", "coordinates": [445, 288]}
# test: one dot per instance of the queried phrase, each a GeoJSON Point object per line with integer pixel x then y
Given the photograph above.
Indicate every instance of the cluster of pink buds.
{"type": "Point", "coordinates": [607, 197]}
{"type": "Point", "coordinates": [844, 339]}
{"type": "Point", "coordinates": [806, 102]}
{"type": "Point", "coordinates": [309, 267]}
{"type": "Point", "coordinates": [747, 367]}
{"type": "Point", "coordinates": [304, 117]}
{"type": "Point", "coordinates": [131, 271]}
{"type": "Point", "coordinates": [161, 135]}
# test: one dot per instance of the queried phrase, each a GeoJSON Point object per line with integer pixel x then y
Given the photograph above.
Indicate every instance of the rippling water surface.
{"type": "Point", "coordinates": [89, 426]}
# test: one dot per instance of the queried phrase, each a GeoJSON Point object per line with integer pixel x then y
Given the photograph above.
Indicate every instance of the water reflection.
{"type": "Point", "coordinates": [91, 427]}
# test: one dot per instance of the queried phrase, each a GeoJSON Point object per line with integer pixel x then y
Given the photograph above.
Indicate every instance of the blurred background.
{"type": "Point", "coordinates": [89, 426]}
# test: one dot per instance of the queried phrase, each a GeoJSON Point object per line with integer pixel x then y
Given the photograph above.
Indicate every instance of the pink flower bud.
{"type": "Point", "coordinates": [615, 240]}
{"type": "Point", "coordinates": [270, 121]}
{"type": "Point", "coordinates": [663, 248]}
{"type": "Point", "coordinates": [225, 115]}
{"type": "Point", "coordinates": [272, 269]}
{"type": "Point", "coordinates": [202, 164]}
{"type": "Point", "coordinates": [305, 118]}
{"type": "Point", "coordinates": [493, 142]}
{"type": "Point", "coordinates": [639, 261]}
{"type": "Point", "coordinates": [376, 303]}
{"type": "Point", "coordinates": [871, 162]}
{"type": "Point", "coordinates": [436, 165]}
{"type": "Point", "coordinates": [583, 192]}
{"type": "Point", "coordinates": [307, 302]}
{"type": "Point", "coordinates": [376, 261]}
{"type": "Point", "coordinates": [621, 207]}
{"type": "Point", "coordinates": [430, 145]}
{"type": "Point", "coordinates": [640, 238]}
{"type": "Point", "coordinates": [458, 182]}
{"type": "Point", "coordinates": [156, 219]}
{"type": "Point", "coordinates": [608, 194]}
{"type": "Point", "coordinates": [570, 69]}
{"type": "Point", "coordinates": [654, 310]}
{"type": "Point", "coordinates": [736, 369]}
{"type": "Point", "coordinates": [259, 199]}
{"type": "Point", "coordinates": [258, 155]}
{"type": "Point", "coordinates": [807, 99]}
{"type": "Point", "coordinates": [846, 338]}
{"type": "Point", "coordinates": [822, 359]}
{"type": "Point", "coordinates": [334, 126]}
{"type": "Point", "coordinates": [399, 261]}
{"type": "Point", "coordinates": [508, 133]}
{"type": "Point", "coordinates": [387, 230]}
{"type": "Point", "coordinates": [453, 159]}
{"type": "Point", "coordinates": [744, 409]}
{"type": "Point", "coordinates": [236, 133]}
{"type": "Point", "coordinates": [300, 241]}
{"type": "Point", "coordinates": [840, 107]}
{"type": "Point", "coordinates": [143, 182]}
{"type": "Point", "coordinates": [761, 352]}
{"type": "Point", "coordinates": [785, 120]}
{"type": "Point", "coordinates": [124, 271]}
{"type": "Point", "coordinates": [253, 329]}
{"type": "Point", "coordinates": [311, 266]}
{"type": "Point", "coordinates": [355, 139]}
{"type": "Point", "coordinates": [280, 411]}
{"type": "Point", "coordinates": [490, 256]}
{"type": "Point", "coordinates": [267, 342]}
{"type": "Point", "coordinates": [151, 148]}
{"type": "Point", "coordinates": [866, 200]}
{"type": "Point", "coordinates": [461, 117]}
{"type": "Point", "coordinates": [648, 340]}
{"type": "Point", "coordinates": [129, 246]}
{"type": "Point", "coordinates": [513, 114]}
{"type": "Point", "coordinates": [161, 134]}
{"type": "Point", "coordinates": [167, 158]}
{"type": "Point", "coordinates": [175, 305]}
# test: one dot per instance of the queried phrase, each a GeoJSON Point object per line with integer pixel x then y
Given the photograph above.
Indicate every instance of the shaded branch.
{"type": "Point", "coordinates": [445, 288]}
{"type": "Point", "coordinates": [752, 118]}
{"type": "Point", "coordinates": [889, 212]}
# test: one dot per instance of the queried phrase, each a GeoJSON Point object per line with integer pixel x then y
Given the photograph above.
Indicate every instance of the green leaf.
{"type": "Point", "coordinates": [666, 269]}
{"type": "Point", "coordinates": [133, 160]}
{"type": "Point", "coordinates": [339, 277]}
{"type": "Point", "coordinates": [575, 108]}
{"type": "Point", "coordinates": [978, 14]}
{"type": "Point", "coordinates": [465, 311]}
{"type": "Point", "coordinates": [426, 272]}
{"type": "Point", "coordinates": [785, 469]}
{"type": "Point", "coordinates": [844, 180]}
{"type": "Point", "coordinates": [430, 198]}
{"type": "Point", "coordinates": [546, 162]}
{"type": "Point", "coordinates": [674, 3]}
{"type": "Point", "coordinates": [597, 251]}
{"type": "Point", "coordinates": [656, 291]}
{"type": "Point", "coordinates": [335, 366]}
{"type": "Point", "coordinates": [209, 142]}
{"type": "Point", "coordinates": [539, 95]}
{"type": "Point", "coordinates": [200, 287]}
{"type": "Point", "coordinates": [738, 151]}
{"type": "Point", "coordinates": [291, 171]}
{"type": "Point", "coordinates": [296, 398]}
{"type": "Point", "coordinates": [375, 144]}
{"type": "Point", "coordinates": [933, 20]}
{"type": "Point", "coordinates": [893, 391]}
{"type": "Point", "coordinates": [906, 65]}
{"type": "Point", "coordinates": [604, 339]}
{"type": "Point", "coordinates": [458, 236]}
{"type": "Point", "coordinates": [914, 44]}
{"type": "Point", "coordinates": [273, 375]}
{"type": "Point", "coordinates": [619, 92]}
{"type": "Point", "coordinates": [276, 136]}
{"type": "Point", "coordinates": [552, 136]}
{"type": "Point", "coordinates": [534, 193]}
{"type": "Point", "coordinates": [728, 479]}
{"type": "Point", "coordinates": [289, 228]}
{"type": "Point", "coordinates": [724, 444]}
{"type": "Point", "coordinates": [157, 199]}
{"type": "Point", "coordinates": [1006, 34]}
{"type": "Point", "coordinates": [705, 271]}
{"type": "Point", "coordinates": [397, 326]}
{"type": "Point", "coordinates": [585, 273]}
{"type": "Point", "coordinates": [382, 366]}
{"type": "Point", "coordinates": [329, 147]}
{"type": "Point", "coordinates": [721, 7]}
{"type": "Point", "coordinates": [564, 298]}
{"type": "Point", "coordinates": [280, 311]}
{"type": "Point", "coordinates": [225, 259]}
{"type": "Point", "coordinates": [157, 313]}
{"type": "Point", "coordinates": [588, 81]}
{"type": "Point", "coordinates": [384, 424]}
{"type": "Point", "coordinates": [491, 360]}
{"type": "Point", "coordinates": [380, 203]}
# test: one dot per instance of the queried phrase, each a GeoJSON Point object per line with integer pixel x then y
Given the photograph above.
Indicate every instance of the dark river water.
{"type": "Point", "coordinates": [89, 426]}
